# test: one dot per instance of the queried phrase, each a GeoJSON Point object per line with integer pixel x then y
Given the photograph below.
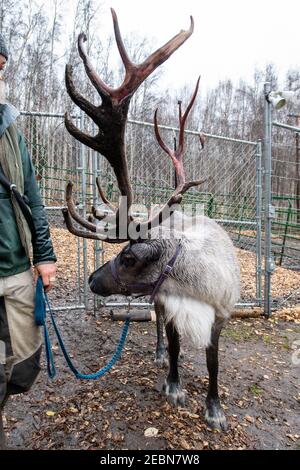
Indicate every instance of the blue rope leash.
{"type": "Point", "coordinates": [40, 319]}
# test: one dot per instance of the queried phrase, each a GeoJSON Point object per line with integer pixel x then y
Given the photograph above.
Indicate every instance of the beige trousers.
{"type": "Point", "coordinates": [20, 338]}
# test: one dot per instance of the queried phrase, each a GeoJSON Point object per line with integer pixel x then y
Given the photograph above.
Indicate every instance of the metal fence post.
{"type": "Point", "coordinates": [269, 210]}
{"type": "Point", "coordinates": [78, 170]}
{"type": "Point", "coordinates": [83, 200]}
{"type": "Point", "coordinates": [97, 243]}
{"type": "Point", "coordinates": [258, 223]}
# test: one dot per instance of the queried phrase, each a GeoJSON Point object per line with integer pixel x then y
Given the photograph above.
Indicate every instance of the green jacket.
{"type": "Point", "coordinates": [13, 259]}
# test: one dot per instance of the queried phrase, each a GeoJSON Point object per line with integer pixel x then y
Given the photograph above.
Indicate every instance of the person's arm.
{"type": "Point", "coordinates": [43, 253]}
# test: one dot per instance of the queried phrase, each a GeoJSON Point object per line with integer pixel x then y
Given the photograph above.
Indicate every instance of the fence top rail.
{"type": "Point", "coordinates": [45, 114]}
{"type": "Point", "coordinates": [286, 126]}
{"type": "Point", "coordinates": [176, 129]}
{"type": "Point", "coordinates": [149, 124]}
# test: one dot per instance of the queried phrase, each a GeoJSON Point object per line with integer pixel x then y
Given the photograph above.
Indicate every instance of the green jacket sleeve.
{"type": "Point", "coordinates": [42, 246]}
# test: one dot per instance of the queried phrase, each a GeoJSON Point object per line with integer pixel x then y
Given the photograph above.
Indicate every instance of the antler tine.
{"type": "Point", "coordinates": [109, 219]}
{"type": "Point", "coordinates": [77, 97]}
{"type": "Point", "coordinates": [97, 215]}
{"type": "Point", "coordinates": [174, 199]}
{"type": "Point", "coordinates": [123, 53]}
{"type": "Point", "coordinates": [102, 231]}
{"type": "Point", "coordinates": [184, 117]}
{"type": "Point", "coordinates": [164, 52]}
{"type": "Point", "coordinates": [176, 162]}
{"type": "Point", "coordinates": [103, 197]}
{"type": "Point", "coordinates": [159, 139]}
{"type": "Point", "coordinates": [202, 139]}
{"type": "Point", "coordinates": [84, 234]}
{"type": "Point", "coordinates": [136, 74]}
{"type": "Point", "coordinates": [81, 220]}
{"type": "Point", "coordinates": [73, 212]}
{"type": "Point", "coordinates": [103, 90]}
{"type": "Point", "coordinates": [79, 135]}
{"type": "Point", "coordinates": [102, 215]}
{"type": "Point", "coordinates": [75, 231]}
{"type": "Point", "coordinates": [179, 102]}
{"type": "Point", "coordinates": [177, 155]}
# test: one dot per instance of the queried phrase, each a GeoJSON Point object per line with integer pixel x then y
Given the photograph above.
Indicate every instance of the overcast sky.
{"type": "Point", "coordinates": [230, 39]}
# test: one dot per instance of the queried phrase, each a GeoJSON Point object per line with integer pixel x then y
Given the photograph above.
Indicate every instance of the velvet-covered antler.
{"type": "Point", "coordinates": [110, 118]}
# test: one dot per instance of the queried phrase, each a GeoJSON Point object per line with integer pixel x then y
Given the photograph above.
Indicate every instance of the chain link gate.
{"type": "Point", "coordinates": [281, 202]}
{"type": "Point", "coordinates": [286, 195]}
{"type": "Point", "coordinates": [232, 194]}
{"type": "Point", "coordinates": [285, 190]}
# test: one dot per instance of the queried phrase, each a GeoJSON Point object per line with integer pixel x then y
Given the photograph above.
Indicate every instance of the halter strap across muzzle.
{"type": "Point", "coordinates": [150, 287]}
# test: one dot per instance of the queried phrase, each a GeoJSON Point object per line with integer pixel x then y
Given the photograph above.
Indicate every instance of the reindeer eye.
{"type": "Point", "coordinates": [128, 260]}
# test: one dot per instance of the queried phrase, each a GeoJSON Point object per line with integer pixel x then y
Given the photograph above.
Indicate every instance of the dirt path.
{"type": "Point", "coordinates": [260, 390]}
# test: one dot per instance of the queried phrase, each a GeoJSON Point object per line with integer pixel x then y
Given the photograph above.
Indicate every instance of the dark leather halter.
{"type": "Point", "coordinates": [151, 287]}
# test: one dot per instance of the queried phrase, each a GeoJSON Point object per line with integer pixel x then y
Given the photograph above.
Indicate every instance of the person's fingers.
{"type": "Point", "coordinates": [46, 282]}
{"type": "Point", "coordinates": [52, 280]}
{"type": "Point", "coordinates": [48, 274]}
{"type": "Point", "coordinates": [48, 287]}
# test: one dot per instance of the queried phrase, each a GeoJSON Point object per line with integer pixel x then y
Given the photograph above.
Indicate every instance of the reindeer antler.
{"type": "Point", "coordinates": [111, 118]}
{"type": "Point", "coordinates": [177, 159]}
{"type": "Point", "coordinates": [177, 155]}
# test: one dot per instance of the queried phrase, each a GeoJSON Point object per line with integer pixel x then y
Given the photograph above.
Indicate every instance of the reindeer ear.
{"type": "Point", "coordinates": [147, 252]}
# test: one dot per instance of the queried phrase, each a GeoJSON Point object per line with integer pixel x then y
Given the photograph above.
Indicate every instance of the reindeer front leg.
{"type": "Point", "coordinates": [160, 353]}
{"type": "Point", "coordinates": [214, 414]}
{"type": "Point", "coordinates": [172, 386]}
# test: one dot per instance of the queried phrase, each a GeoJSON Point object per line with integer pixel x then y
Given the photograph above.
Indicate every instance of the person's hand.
{"type": "Point", "coordinates": [47, 271]}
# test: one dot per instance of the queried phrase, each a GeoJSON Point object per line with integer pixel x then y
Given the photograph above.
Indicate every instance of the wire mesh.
{"type": "Point", "coordinates": [286, 198]}
{"type": "Point", "coordinates": [285, 233]}
{"type": "Point", "coordinates": [229, 194]}
{"type": "Point", "coordinates": [56, 157]}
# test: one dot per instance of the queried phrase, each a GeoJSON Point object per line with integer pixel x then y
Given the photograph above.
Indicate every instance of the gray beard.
{"type": "Point", "coordinates": [2, 91]}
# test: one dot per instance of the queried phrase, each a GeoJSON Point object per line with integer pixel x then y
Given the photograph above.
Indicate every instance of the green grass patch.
{"type": "Point", "coordinates": [242, 333]}
{"type": "Point", "coordinates": [256, 390]}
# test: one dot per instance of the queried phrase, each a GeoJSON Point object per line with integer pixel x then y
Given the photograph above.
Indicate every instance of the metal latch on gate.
{"type": "Point", "coordinates": [272, 212]}
{"type": "Point", "coordinates": [271, 266]}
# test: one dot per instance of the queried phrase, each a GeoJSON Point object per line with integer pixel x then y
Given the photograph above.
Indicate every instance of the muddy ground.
{"type": "Point", "coordinates": [259, 384]}
{"type": "Point", "coordinates": [260, 391]}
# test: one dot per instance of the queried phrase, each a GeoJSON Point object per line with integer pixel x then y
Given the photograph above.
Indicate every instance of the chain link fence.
{"type": "Point", "coordinates": [285, 188]}
{"type": "Point", "coordinates": [231, 194]}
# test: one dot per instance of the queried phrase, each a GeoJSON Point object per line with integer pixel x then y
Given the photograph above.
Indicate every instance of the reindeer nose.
{"type": "Point", "coordinates": [97, 286]}
{"type": "Point", "coordinates": [92, 283]}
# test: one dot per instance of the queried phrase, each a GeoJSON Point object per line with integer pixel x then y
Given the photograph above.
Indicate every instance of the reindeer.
{"type": "Point", "coordinates": [187, 265]}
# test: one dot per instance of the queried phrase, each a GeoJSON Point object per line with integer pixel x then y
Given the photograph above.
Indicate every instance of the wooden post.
{"type": "Point", "coordinates": [135, 315]}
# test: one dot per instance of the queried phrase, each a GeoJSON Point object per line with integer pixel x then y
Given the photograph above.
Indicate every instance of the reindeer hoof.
{"type": "Point", "coordinates": [161, 359]}
{"type": "Point", "coordinates": [215, 417]}
{"type": "Point", "coordinates": [175, 394]}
